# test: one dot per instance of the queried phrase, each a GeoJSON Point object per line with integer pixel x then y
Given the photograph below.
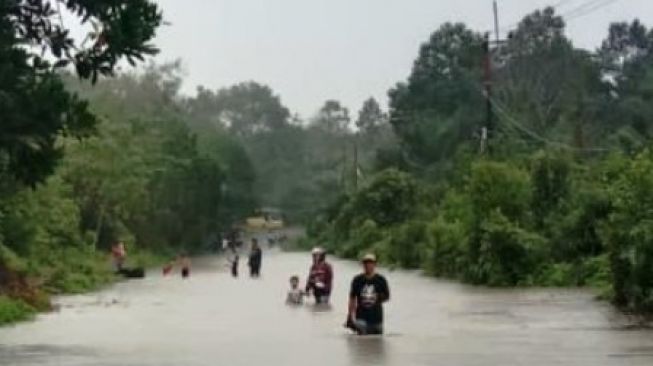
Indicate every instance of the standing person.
{"type": "Point", "coordinates": [119, 253]}
{"type": "Point", "coordinates": [369, 290]}
{"type": "Point", "coordinates": [234, 263]}
{"type": "Point", "coordinates": [185, 263]}
{"type": "Point", "coordinates": [320, 277]}
{"type": "Point", "coordinates": [255, 259]}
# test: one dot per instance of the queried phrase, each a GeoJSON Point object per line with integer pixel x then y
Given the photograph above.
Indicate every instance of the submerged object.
{"type": "Point", "coordinates": [132, 272]}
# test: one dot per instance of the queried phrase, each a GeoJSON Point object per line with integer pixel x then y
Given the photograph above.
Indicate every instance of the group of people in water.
{"type": "Point", "coordinates": [182, 261]}
{"type": "Point", "coordinates": [367, 294]}
{"type": "Point", "coordinates": [254, 261]}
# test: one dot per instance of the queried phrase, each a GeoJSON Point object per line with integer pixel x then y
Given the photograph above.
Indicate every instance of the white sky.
{"type": "Point", "coordinates": [312, 50]}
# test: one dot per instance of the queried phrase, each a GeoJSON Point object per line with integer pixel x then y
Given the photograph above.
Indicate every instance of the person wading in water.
{"type": "Point", "coordinates": [119, 253]}
{"type": "Point", "coordinates": [369, 290]}
{"type": "Point", "coordinates": [320, 277]}
{"type": "Point", "coordinates": [255, 259]}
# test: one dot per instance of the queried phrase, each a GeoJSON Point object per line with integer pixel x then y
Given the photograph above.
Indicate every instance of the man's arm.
{"type": "Point", "coordinates": [309, 280]}
{"type": "Point", "coordinates": [352, 308]}
{"type": "Point", "coordinates": [329, 276]}
{"type": "Point", "coordinates": [353, 301]}
{"type": "Point", "coordinates": [384, 294]}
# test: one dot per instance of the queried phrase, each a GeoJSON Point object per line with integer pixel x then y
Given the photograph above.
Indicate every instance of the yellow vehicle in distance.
{"type": "Point", "coordinates": [265, 219]}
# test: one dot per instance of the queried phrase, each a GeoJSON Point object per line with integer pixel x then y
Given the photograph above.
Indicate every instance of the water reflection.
{"type": "Point", "coordinates": [369, 350]}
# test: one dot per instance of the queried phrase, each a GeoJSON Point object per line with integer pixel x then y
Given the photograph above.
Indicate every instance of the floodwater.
{"type": "Point", "coordinates": [213, 319]}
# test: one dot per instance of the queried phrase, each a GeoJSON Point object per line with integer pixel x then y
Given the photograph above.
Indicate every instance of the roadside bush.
{"type": "Point", "coordinates": [444, 254]}
{"type": "Point", "coordinates": [14, 310]}
{"type": "Point", "coordinates": [593, 272]}
{"type": "Point", "coordinates": [508, 255]}
{"type": "Point", "coordinates": [362, 239]}
{"type": "Point", "coordinates": [73, 271]}
{"type": "Point", "coordinates": [550, 177]}
{"type": "Point", "coordinates": [389, 199]}
{"type": "Point", "coordinates": [575, 233]}
{"type": "Point", "coordinates": [629, 235]}
{"type": "Point", "coordinates": [499, 186]}
{"type": "Point", "coordinates": [405, 244]}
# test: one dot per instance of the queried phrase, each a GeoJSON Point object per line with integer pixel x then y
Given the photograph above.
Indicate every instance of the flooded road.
{"type": "Point", "coordinates": [213, 319]}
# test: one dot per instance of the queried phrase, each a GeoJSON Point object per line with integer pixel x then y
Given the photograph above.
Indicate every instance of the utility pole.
{"type": "Point", "coordinates": [487, 129]}
{"type": "Point", "coordinates": [356, 162]}
{"type": "Point", "coordinates": [496, 21]}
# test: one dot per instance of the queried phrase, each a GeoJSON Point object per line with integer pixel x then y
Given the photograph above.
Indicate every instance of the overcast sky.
{"type": "Point", "coordinates": [312, 50]}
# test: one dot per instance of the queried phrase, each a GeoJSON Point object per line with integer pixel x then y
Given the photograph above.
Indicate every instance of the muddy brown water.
{"type": "Point", "coordinates": [213, 319]}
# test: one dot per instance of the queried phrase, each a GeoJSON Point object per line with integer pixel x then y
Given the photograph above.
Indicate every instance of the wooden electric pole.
{"type": "Point", "coordinates": [487, 129]}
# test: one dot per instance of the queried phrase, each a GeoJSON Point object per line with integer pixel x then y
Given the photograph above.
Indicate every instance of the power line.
{"type": "Point", "coordinates": [516, 124]}
{"type": "Point", "coordinates": [562, 3]}
{"type": "Point", "coordinates": [583, 9]}
{"type": "Point", "coordinates": [589, 10]}
{"type": "Point", "coordinates": [585, 5]}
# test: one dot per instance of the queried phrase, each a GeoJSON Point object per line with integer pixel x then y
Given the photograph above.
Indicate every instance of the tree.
{"type": "Point", "coordinates": [245, 109]}
{"type": "Point", "coordinates": [333, 117]}
{"type": "Point", "coordinates": [626, 56]}
{"type": "Point", "coordinates": [626, 47]}
{"type": "Point", "coordinates": [535, 71]}
{"type": "Point", "coordinates": [370, 117]}
{"type": "Point", "coordinates": [439, 107]}
{"type": "Point", "coordinates": [35, 109]}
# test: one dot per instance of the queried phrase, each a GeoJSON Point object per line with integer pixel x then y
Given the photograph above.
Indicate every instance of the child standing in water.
{"type": "Point", "coordinates": [295, 294]}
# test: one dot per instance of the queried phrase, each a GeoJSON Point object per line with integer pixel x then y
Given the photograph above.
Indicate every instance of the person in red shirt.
{"type": "Point", "coordinates": [167, 269]}
{"type": "Point", "coordinates": [320, 277]}
{"type": "Point", "coordinates": [118, 253]}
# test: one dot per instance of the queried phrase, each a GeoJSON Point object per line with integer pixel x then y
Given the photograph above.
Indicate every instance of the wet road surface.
{"type": "Point", "coordinates": [213, 319]}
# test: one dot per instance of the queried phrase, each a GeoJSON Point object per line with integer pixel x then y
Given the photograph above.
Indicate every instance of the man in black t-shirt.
{"type": "Point", "coordinates": [368, 292]}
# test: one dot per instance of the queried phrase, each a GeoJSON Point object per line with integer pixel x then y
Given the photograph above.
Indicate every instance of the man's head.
{"type": "Point", "coordinates": [369, 263]}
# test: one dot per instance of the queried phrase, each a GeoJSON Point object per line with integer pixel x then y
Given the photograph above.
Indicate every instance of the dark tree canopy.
{"type": "Point", "coordinates": [539, 32]}
{"type": "Point", "coordinates": [35, 109]}
{"type": "Point", "coordinates": [444, 83]}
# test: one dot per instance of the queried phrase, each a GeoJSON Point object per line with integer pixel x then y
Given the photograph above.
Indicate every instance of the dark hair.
{"type": "Point", "coordinates": [294, 278]}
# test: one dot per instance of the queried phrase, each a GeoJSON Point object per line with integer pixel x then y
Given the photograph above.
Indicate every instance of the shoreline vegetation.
{"type": "Point", "coordinates": [27, 286]}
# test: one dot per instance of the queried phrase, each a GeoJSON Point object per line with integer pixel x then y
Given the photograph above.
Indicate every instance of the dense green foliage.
{"type": "Point", "coordinates": [561, 198]}
{"type": "Point", "coordinates": [41, 226]}
{"type": "Point", "coordinates": [36, 108]}
{"type": "Point", "coordinates": [13, 310]}
{"type": "Point", "coordinates": [144, 177]}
